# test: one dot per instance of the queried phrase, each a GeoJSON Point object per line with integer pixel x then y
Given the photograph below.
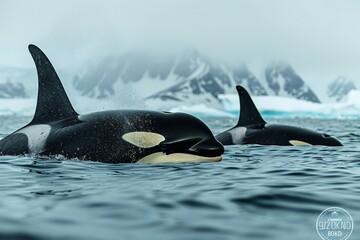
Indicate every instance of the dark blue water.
{"type": "Point", "coordinates": [256, 192]}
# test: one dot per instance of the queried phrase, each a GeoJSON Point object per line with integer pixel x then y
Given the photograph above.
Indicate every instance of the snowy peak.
{"type": "Point", "coordinates": [203, 84]}
{"type": "Point", "coordinates": [11, 82]}
{"type": "Point", "coordinates": [189, 63]}
{"type": "Point", "coordinates": [242, 76]}
{"type": "Point", "coordinates": [282, 80]}
{"type": "Point", "coordinates": [131, 70]}
{"type": "Point", "coordinates": [188, 78]}
{"type": "Point", "coordinates": [208, 82]}
{"type": "Point", "coordinates": [339, 88]}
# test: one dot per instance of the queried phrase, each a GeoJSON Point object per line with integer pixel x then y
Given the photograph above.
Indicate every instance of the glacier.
{"type": "Point", "coordinates": [285, 107]}
{"type": "Point", "coordinates": [269, 106]}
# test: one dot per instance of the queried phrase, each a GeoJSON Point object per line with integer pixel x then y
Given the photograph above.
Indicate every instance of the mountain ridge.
{"type": "Point", "coordinates": [188, 78]}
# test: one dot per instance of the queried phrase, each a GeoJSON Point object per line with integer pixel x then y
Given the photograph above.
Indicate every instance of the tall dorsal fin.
{"type": "Point", "coordinates": [52, 102]}
{"type": "Point", "coordinates": [249, 115]}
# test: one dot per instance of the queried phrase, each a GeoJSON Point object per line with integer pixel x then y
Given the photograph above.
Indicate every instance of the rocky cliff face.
{"type": "Point", "coordinates": [188, 78]}
{"type": "Point", "coordinates": [339, 88]}
{"type": "Point", "coordinates": [282, 80]}
{"type": "Point", "coordinates": [208, 82]}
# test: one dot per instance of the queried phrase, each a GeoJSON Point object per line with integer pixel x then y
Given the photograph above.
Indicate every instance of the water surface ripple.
{"type": "Point", "coordinates": [256, 192]}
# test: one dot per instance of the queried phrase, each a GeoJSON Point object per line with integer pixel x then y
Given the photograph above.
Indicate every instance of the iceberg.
{"type": "Point", "coordinates": [269, 106]}
{"type": "Point", "coordinates": [201, 111]}
{"type": "Point", "coordinates": [280, 107]}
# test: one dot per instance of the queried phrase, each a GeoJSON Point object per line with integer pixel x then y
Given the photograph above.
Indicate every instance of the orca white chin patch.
{"type": "Point", "coordinates": [143, 139]}
{"type": "Point", "coordinates": [37, 135]}
{"type": "Point", "coordinates": [160, 157]}
{"type": "Point", "coordinates": [299, 143]}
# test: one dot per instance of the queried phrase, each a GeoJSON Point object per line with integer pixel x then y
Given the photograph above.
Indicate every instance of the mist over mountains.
{"type": "Point", "coordinates": [12, 82]}
{"type": "Point", "coordinates": [339, 88]}
{"type": "Point", "coordinates": [191, 78]}
{"type": "Point", "coordinates": [173, 80]}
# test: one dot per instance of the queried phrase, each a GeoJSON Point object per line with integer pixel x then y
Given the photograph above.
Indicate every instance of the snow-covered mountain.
{"type": "Point", "coordinates": [11, 90]}
{"type": "Point", "coordinates": [12, 82]}
{"type": "Point", "coordinates": [339, 88]}
{"type": "Point", "coordinates": [135, 73]}
{"type": "Point", "coordinates": [189, 78]}
{"type": "Point", "coordinates": [282, 80]}
{"type": "Point", "coordinates": [207, 83]}
{"type": "Point", "coordinates": [169, 80]}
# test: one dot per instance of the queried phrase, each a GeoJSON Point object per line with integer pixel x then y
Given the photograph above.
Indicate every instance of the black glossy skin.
{"type": "Point", "coordinates": [275, 134]}
{"type": "Point", "coordinates": [252, 129]}
{"type": "Point", "coordinates": [98, 136]}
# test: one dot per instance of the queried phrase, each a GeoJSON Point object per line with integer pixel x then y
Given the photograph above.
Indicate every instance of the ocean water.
{"type": "Point", "coordinates": [255, 192]}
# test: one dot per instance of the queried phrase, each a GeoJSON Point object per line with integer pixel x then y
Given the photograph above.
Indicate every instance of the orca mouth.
{"type": "Point", "coordinates": [160, 157]}
{"type": "Point", "coordinates": [331, 141]}
{"type": "Point", "coordinates": [208, 148]}
{"type": "Point", "coordinates": [334, 142]}
{"type": "Point", "coordinates": [202, 148]}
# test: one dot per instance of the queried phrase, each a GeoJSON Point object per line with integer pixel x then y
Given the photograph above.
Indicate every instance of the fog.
{"type": "Point", "coordinates": [321, 39]}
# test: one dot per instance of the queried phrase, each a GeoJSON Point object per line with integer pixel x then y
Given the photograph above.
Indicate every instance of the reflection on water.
{"type": "Point", "coordinates": [256, 192]}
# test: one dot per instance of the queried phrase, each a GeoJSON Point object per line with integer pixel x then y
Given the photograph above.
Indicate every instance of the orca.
{"type": "Point", "coordinates": [252, 129]}
{"type": "Point", "coordinates": [118, 136]}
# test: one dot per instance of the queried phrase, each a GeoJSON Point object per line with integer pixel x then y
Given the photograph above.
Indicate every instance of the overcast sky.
{"type": "Point", "coordinates": [320, 38]}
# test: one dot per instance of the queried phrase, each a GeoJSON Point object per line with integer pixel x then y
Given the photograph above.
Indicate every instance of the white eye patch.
{"type": "Point", "coordinates": [299, 143]}
{"type": "Point", "coordinates": [143, 139]}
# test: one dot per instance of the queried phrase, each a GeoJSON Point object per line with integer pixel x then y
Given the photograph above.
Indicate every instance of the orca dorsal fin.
{"type": "Point", "coordinates": [249, 115]}
{"type": "Point", "coordinates": [52, 102]}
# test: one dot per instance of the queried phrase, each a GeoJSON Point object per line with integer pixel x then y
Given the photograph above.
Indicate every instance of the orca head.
{"type": "Point", "coordinates": [316, 139]}
{"type": "Point", "coordinates": [328, 140]}
{"type": "Point", "coordinates": [177, 137]}
{"type": "Point", "coordinates": [193, 137]}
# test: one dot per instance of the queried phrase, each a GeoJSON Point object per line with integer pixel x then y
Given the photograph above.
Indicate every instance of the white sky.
{"type": "Point", "coordinates": [320, 38]}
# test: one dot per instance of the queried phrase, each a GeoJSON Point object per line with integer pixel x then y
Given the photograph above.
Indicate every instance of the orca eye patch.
{"type": "Point", "coordinates": [143, 139]}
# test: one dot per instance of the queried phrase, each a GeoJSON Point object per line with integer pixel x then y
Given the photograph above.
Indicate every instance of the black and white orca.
{"type": "Point", "coordinates": [119, 136]}
{"type": "Point", "coordinates": [252, 129]}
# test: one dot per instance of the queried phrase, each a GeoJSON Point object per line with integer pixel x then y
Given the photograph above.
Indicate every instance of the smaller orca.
{"type": "Point", "coordinates": [252, 129]}
{"type": "Point", "coordinates": [119, 136]}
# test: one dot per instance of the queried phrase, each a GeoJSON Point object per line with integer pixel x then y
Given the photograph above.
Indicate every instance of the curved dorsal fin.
{"type": "Point", "coordinates": [249, 115]}
{"type": "Point", "coordinates": [52, 102]}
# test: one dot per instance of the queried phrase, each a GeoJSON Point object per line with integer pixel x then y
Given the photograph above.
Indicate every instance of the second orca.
{"type": "Point", "coordinates": [252, 129]}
